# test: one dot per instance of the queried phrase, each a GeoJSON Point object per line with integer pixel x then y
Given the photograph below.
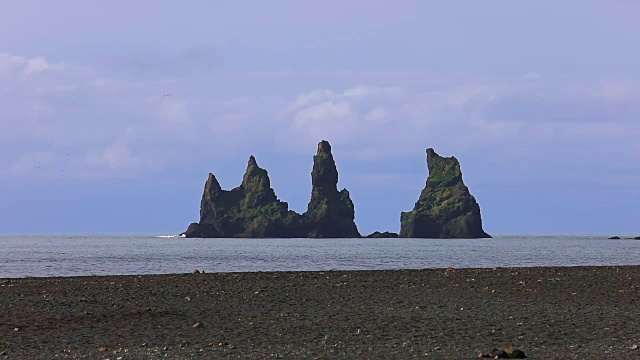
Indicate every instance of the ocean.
{"type": "Point", "coordinates": [137, 254]}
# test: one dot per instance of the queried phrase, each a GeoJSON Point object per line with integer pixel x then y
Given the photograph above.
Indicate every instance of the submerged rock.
{"type": "Point", "coordinates": [445, 208]}
{"type": "Point", "coordinates": [382, 235]}
{"type": "Point", "coordinates": [330, 213]}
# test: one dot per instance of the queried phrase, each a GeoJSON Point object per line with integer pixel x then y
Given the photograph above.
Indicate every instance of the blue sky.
{"type": "Point", "coordinates": [538, 100]}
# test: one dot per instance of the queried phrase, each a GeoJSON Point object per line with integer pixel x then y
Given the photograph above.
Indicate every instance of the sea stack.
{"type": "Point", "coordinates": [249, 210]}
{"type": "Point", "coordinates": [445, 208]}
{"type": "Point", "coordinates": [330, 213]}
{"type": "Point", "coordinates": [253, 210]}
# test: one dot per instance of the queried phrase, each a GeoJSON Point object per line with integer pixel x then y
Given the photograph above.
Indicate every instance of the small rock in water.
{"type": "Point", "coordinates": [196, 271]}
{"type": "Point", "coordinates": [614, 238]}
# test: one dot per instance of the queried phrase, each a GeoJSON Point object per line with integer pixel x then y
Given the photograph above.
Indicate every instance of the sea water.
{"type": "Point", "coordinates": [128, 254]}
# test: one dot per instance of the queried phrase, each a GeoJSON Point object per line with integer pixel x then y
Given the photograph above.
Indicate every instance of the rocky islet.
{"type": "Point", "coordinates": [253, 210]}
{"type": "Point", "coordinates": [445, 208]}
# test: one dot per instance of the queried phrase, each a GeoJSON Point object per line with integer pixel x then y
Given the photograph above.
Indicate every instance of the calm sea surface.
{"type": "Point", "coordinates": [81, 255]}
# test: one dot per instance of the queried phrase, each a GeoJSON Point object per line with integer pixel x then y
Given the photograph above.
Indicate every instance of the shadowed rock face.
{"type": "Point", "coordinates": [445, 208]}
{"type": "Point", "coordinates": [253, 209]}
{"type": "Point", "coordinates": [330, 213]}
{"type": "Point", "coordinates": [382, 235]}
{"type": "Point", "coordinates": [250, 210]}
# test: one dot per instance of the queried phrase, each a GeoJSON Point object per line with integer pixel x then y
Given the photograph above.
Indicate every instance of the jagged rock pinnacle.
{"type": "Point", "coordinates": [330, 213]}
{"type": "Point", "coordinates": [324, 147]}
{"type": "Point", "coordinates": [325, 174]}
{"type": "Point", "coordinates": [253, 210]}
{"type": "Point", "coordinates": [445, 208]}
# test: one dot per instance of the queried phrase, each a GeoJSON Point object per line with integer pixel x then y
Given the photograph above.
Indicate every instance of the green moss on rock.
{"type": "Point", "coordinates": [330, 213]}
{"type": "Point", "coordinates": [445, 208]}
{"type": "Point", "coordinates": [250, 210]}
{"type": "Point", "coordinates": [253, 209]}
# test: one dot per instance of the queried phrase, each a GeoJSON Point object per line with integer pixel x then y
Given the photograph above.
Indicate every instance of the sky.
{"type": "Point", "coordinates": [113, 114]}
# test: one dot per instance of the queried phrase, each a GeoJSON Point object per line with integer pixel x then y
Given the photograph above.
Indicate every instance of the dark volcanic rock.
{"type": "Point", "coordinates": [506, 353]}
{"type": "Point", "coordinates": [614, 238]}
{"type": "Point", "coordinates": [196, 230]}
{"type": "Point", "coordinates": [250, 210]}
{"type": "Point", "coordinates": [445, 208]}
{"type": "Point", "coordinates": [330, 213]}
{"type": "Point", "coordinates": [382, 235]}
{"type": "Point", "coordinates": [253, 209]}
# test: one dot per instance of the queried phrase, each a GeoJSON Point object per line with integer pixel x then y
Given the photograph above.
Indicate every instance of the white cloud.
{"type": "Point", "coordinates": [118, 127]}
{"type": "Point", "coordinates": [377, 114]}
{"type": "Point", "coordinates": [616, 89]}
{"type": "Point", "coordinates": [26, 66]}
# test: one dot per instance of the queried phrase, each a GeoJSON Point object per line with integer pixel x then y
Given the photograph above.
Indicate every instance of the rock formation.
{"type": "Point", "coordinates": [253, 210]}
{"type": "Point", "coordinates": [250, 210]}
{"type": "Point", "coordinates": [382, 235]}
{"type": "Point", "coordinates": [330, 213]}
{"type": "Point", "coordinates": [445, 208]}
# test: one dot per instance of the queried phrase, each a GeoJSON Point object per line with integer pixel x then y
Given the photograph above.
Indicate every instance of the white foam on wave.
{"type": "Point", "coordinates": [168, 236]}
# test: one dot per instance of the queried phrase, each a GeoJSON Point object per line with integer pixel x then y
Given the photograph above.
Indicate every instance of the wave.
{"type": "Point", "coordinates": [168, 236]}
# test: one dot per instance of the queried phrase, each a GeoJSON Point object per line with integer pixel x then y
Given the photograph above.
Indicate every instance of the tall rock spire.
{"type": "Point", "coordinates": [330, 214]}
{"type": "Point", "coordinates": [253, 210]}
{"type": "Point", "coordinates": [445, 208]}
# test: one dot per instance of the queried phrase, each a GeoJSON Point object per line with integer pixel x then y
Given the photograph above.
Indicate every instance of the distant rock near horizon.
{"type": "Point", "coordinates": [252, 210]}
{"type": "Point", "coordinates": [627, 238]}
{"type": "Point", "coordinates": [445, 208]}
{"type": "Point", "coordinates": [382, 235]}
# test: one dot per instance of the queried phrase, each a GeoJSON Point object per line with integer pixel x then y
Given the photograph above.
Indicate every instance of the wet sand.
{"type": "Point", "coordinates": [549, 313]}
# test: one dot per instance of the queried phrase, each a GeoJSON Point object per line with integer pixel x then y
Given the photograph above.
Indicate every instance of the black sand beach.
{"type": "Point", "coordinates": [549, 313]}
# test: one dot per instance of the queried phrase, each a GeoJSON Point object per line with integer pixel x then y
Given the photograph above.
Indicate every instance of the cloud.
{"type": "Point", "coordinates": [114, 127]}
{"type": "Point", "coordinates": [26, 66]}
{"type": "Point", "coordinates": [616, 89]}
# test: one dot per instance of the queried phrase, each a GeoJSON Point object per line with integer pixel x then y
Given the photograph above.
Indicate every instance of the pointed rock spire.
{"type": "Point", "coordinates": [325, 173]}
{"type": "Point", "coordinates": [256, 182]}
{"type": "Point", "coordinates": [253, 210]}
{"type": "Point", "coordinates": [330, 213]}
{"type": "Point", "coordinates": [249, 210]}
{"type": "Point", "coordinates": [445, 208]}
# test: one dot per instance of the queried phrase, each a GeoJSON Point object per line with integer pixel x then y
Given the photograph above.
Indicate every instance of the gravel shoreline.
{"type": "Point", "coordinates": [548, 312]}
